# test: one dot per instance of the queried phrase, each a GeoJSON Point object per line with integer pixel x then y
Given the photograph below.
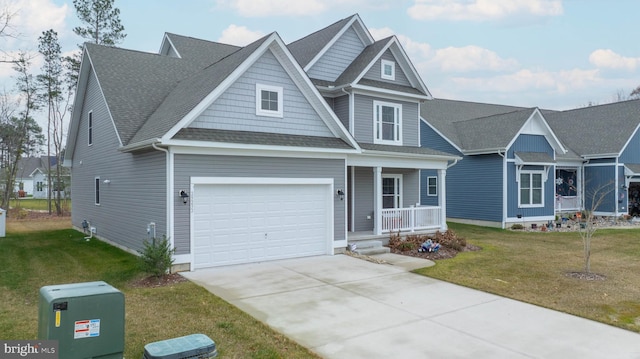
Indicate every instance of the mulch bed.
{"type": "Point", "coordinates": [450, 245]}
{"type": "Point", "coordinates": [442, 253]}
{"type": "Point", "coordinates": [154, 282]}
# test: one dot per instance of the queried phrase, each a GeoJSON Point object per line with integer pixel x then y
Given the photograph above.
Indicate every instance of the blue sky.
{"type": "Point", "coordinates": [556, 54]}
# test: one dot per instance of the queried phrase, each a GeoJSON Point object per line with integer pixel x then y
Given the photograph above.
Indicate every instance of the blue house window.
{"type": "Point", "coordinates": [432, 186]}
{"type": "Point", "coordinates": [531, 189]}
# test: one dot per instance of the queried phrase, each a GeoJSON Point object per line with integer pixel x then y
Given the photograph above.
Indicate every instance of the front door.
{"type": "Point", "coordinates": [391, 191]}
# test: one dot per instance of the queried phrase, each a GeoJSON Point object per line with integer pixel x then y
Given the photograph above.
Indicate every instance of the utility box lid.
{"type": "Point", "coordinates": [191, 346]}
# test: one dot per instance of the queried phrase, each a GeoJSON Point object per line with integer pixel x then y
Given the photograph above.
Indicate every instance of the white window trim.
{"type": "Point", "coordinates": [268, 113]}
{"type": "Point", "coordinates": [90, 133]}
{"type": "Point", "coordinates": [542, 182]}
{"type": "Point", "coordinates": [397, 196]}
{"type": "Point", "coordinates": [377, 123]}
{"type": "Point", "coordinates": [435, 193]}
{"type": "Point", "coordinates": [384, 63]}
{"type": "Point", "coordinates": [96, 191]}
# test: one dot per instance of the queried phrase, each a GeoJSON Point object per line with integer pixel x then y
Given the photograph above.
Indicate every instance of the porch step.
{"type": "Point", "coordinates": [370, 247]}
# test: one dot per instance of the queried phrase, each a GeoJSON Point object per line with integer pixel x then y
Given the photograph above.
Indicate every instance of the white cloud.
{"type": "Point", "coordinates": [558, 82]}
{"type": "Point", "coordinates": [264, 8]}
{"type": "Point", "coordinates": [239, 35]}
{"type": "Point", "coordinates": [482, 9]}
{"type": "Point", "coordinates": [470, 58]}
{"type": "Point", "coordinates": [32, 17]}
{"type": "Point", "coordinates": [611, 60]}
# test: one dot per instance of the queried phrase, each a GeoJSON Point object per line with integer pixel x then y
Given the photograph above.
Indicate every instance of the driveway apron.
{"type": "Point", "coordinates": [344, 307]}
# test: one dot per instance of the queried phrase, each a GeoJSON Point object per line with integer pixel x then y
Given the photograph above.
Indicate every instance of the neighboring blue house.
{"type": "Point", "coordinates": [526, 165]}
{"type": "Point", "coordinates": [509, 156]}
{"type": "Point", "coordinates": [246, 154]}
{"type": "Point", "coordinates": [607, 140]}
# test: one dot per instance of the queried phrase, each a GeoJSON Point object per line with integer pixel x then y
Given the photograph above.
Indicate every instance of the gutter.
{"type": "Point", "coordinates": [140, 145]}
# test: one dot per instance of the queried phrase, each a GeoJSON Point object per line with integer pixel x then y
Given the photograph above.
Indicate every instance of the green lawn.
{"type": "Point", "coordinates": [532, 267]}
{"type": "Point", "coordinates": [32, 260]}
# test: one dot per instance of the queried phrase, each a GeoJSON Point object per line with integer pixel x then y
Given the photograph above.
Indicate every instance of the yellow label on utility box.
{"type": "Point", "coordinates": [57, 319]}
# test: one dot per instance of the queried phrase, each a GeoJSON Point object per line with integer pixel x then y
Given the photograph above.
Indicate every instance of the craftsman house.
{"type": "Point", "coordinates": [527, 165]}
{"type": "Point", "coordinates": [261, 152]}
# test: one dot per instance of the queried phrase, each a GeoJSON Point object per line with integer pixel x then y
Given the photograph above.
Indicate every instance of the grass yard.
{"type": "Point", "coordinates": [37, 204]}
{"type": "Point", "coordinates": [531, 267]}
{"type": "Point", "coordinates": [30, 260]}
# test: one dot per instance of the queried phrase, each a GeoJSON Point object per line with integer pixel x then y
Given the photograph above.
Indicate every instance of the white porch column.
{"type": "Point", "coordinates": [377, 200]}
{"type": "Point", "coordinates": [442, 198]}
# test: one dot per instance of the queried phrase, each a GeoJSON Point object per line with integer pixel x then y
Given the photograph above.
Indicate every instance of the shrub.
{"type": "Point", "coordinates": [450, 239]}
{"type": "Point", "coordinates": [517, 226]}
{"type": "Point", "coordinates": [155, 256]}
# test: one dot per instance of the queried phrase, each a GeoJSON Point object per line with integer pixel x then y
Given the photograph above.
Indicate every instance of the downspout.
{"type": "Point", "coordinates": [169, 190]}
{"type": "Point", "coordinates": [504, 188]}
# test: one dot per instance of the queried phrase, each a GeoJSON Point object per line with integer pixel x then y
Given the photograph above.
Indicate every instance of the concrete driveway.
{"type": "Point", "coordinates": [343, 307]}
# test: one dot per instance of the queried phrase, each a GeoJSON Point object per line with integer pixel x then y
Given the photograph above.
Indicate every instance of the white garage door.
{"type": "Point", "coordinates": [244, 223]}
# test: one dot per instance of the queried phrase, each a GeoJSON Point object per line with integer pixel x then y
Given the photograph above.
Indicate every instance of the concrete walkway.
{"type": "Point", "coordinates": [343, 307]}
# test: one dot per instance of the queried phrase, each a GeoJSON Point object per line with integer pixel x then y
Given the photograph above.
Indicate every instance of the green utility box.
{"type": "Point", "coordinates": [87, 319]}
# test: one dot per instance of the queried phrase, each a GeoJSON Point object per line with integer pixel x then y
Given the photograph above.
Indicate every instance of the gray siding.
{"type": "Point", "coordinates": [338, 57]}
{"type": "Point", "coordinates": [364, 193]}
{"type": "Point", "coordinates": [363, 121]}
{"type": "Point", "coordinates": [375, 71]}
{"type": "Point", "coordinates": [474, 188]}
{"type": "Point", "coordinates": [341, 109]}
{"type": "Point", "coordinates": [235, 109]}
{"type": "Point", "coordinates": [425, 199]}
{"type": "Point", "coordinates": [136, 195]}
{"type": "Point", "coordinates": [186, 166]}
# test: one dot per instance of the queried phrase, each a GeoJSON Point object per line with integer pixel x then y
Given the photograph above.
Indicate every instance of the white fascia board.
{"type": "Point", "coordinates": [441, 135]}
{"type": "Point", "coordinates": [386, 93]}
{"type": "Point", "coordinates": [227, 149]}
{"type": "Point", "coordinates": [597, 156]}
{"type": "Point", "coordinates": [167, 40]}
{"type": "Point", "coordinates": [401, 160]}
{"type": "Point", "coordinates": [354, 20]}
{"type": "Point", "coordinates": [415, 73]}
{"type": "Point", "coordinates": [486, 151]}
{"type": "Point", "coordinates": [372, 62]}
{"type": "Point", "coordinates": [548, 133]}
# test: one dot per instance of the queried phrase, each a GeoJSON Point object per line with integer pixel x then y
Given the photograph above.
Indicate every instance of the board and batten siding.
{"type": "Point", "coordinates": [530, 143]}
{"type": "Point", "coordinates": [338, 57]}
{"type": "Point", "coordinates": [599, 182]}
{"type": "Point", "coordinates": [631, 153]}
{"type": "Point", "coordinates": [363, 120]}
{"type": "Point", "coordinates": [474, 188]}
{"type": "Point", "coordinates": [136, 194]}
{"type": "Point", "coordinates": [187, 166]}
{"type": "Point", "coordinates": [375, 72]}
{"type": "Point", "coordinates": [235, 109]}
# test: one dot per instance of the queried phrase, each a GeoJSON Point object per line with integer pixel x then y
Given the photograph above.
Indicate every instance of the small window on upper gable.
{"type": "Point", "coordinates": [269, 100]}
{"type": "Point", "coordinates": [388, 70]}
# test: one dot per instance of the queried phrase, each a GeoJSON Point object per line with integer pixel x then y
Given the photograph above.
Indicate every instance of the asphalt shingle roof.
{"type": "Point", "coordinates": [306, 48]}
{"type": "Point", "coordinates": [597, 130]}
{"type": "Point", "coordinates": [260, 138]}
{"type": "Point", "coordinates": [403, 149]}
{"type": "Point", "coordinates": [535, 157]}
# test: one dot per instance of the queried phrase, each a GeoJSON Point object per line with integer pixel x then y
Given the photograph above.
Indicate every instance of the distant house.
{"type": "Point", "coordinates": [245, 154]}
{"type": "Point", "coordinates": [527, 165]}
{"type": "Point", "coordinates": [31, 176]}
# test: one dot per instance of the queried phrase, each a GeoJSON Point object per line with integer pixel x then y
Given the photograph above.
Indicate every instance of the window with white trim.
{"type": "Point", "coordinates": [387, 127]}
{"type": "Point", "coordinates": [388, 70]}
{"type": "Point", "coordinates": [97, 191]}
{"type": "Point", "coordinates": [432, 186]}
{"type": "Point", "coordinates": [391, 191]}
{"type": "Point", "coordinates": [90, 128]}
{"type": "Point", "coordinates": [269, 100]}
{"type": "Point", "coordinates": [531, 189]}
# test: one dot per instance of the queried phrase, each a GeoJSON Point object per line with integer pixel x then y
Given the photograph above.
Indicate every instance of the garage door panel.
{"type": "Point", "coordinates": [254, 222]}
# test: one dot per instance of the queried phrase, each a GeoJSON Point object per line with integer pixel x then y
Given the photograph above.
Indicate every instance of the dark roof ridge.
{"type": "Point", "coordinates": [497, 114]}
{"type": "Point", "coordinates": [600, 106]}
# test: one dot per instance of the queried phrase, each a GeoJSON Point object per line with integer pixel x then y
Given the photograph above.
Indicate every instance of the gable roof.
{"type": "Point", "coordinates": [475, 128]}
{"type": "Point", "coordinates": [310, 48]}
{"type": "Point", "coordinates": [597, 131]}
{"type": "Point", "coordinates": [28, 165]}
{"type": "Point", "coordinates": [200, 52]}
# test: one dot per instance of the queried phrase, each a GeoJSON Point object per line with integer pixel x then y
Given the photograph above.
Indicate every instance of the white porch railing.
{"type": "Point", "coordinates": [411, 219]}
{"type": "Point", "coordinates": [567, 203]}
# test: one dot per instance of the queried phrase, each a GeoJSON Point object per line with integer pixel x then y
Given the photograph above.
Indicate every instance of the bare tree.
{"type": "Point", "coordinates": [587, 227]}
{"type": "Point", "coordinates": [6, 31]}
